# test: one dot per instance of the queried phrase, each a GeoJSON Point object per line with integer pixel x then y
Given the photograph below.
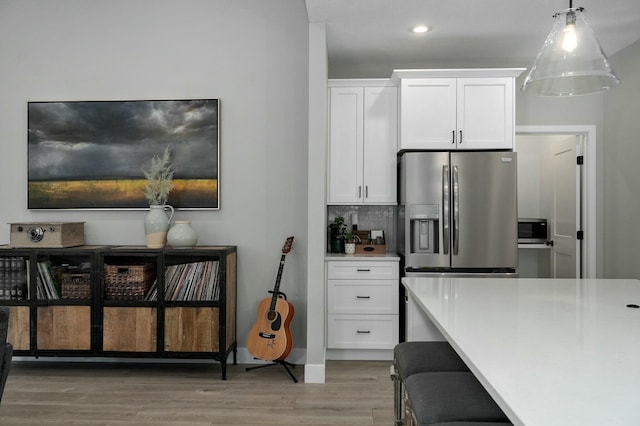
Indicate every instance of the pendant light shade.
{"type": "Point", "coordinates": [571, 61]}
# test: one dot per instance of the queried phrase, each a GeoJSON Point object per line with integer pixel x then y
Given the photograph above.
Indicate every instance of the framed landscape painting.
{"type": "Point", "coordinates": [91, 154]}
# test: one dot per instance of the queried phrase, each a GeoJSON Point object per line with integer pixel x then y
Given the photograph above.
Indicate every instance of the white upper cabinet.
{"type": "Point", "coordinates": [457, 109]}
{"type": "Point", "coordinates": [362, 143]}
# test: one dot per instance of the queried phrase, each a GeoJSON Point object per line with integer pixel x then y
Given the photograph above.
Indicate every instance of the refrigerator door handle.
{"type": "Point", "coordinates": [456, 210]}
{"type": "Point", "coordinates": [445, 207]}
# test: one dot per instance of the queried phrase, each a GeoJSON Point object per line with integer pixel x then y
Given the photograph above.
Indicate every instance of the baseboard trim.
{"type": "Point", "coordinates": [314, 373]}
{"type": "Point", "coordinates": [297, 356]}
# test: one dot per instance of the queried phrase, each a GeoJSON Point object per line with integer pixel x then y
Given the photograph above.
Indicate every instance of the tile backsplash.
{"type": "Point", "coordinates": [369, 217]}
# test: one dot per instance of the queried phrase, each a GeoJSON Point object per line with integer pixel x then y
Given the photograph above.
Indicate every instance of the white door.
{"type": "Point", "coordinates": [380, 136]}
{"type": "Point", "coordinates": [345, 145]}
{"type": "Point", "coordinates": [565, 209]}
{"type": "Point", "coordinates": [485, 113]}
{"type": "Point", "coordinates": [427, 113]}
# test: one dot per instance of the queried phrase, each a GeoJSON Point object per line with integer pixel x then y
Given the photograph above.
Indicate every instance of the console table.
{"type": "Point", "coordinates": [121, 301]}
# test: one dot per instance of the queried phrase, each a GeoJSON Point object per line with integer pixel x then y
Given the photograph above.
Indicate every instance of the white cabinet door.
{"type": "Point", "coordinates": [345, 144]}
{"type": "Point", "coordinates": [485, 113]}
{"type": "Point", "coordinates": [380, 135]}
{"type": "Point", "coordinates": [457, 113]}
{"type": "Point", "coordinates": [418, 326]}
{"type": "Point", "coordinates": [362, 145]}
{"type": "Point", "coordinates": [427, 113]}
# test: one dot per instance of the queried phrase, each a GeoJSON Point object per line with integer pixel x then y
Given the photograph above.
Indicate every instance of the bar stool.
{"type": "Point", "coordinates": [420, 357]}
{"type": "Point", "coordinates": [446, 397]}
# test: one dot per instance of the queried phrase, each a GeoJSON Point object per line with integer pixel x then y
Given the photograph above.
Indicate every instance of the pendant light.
{"type": "Point", "coordinates": [571, 61]}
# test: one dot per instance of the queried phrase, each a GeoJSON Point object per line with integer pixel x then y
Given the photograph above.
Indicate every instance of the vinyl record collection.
{"type": "Point", "coordinates": [197, 281]}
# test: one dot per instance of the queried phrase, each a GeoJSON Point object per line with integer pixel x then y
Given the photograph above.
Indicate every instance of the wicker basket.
{"type": "Point", "coordinates": [76, 285]}
{"type": "Point", "coordinates": [128, 282]}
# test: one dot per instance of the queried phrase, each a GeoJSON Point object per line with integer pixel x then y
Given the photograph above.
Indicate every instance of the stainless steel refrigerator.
{"type": "Point", "coordinates": [458, 212]}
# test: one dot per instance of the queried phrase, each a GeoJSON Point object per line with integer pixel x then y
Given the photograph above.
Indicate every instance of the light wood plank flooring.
{"type": "Point", "coordinates": [46, 393]}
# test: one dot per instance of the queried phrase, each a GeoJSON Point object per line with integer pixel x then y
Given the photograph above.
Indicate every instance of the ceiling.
{"type": "Point", "coordinates": [370, 38]}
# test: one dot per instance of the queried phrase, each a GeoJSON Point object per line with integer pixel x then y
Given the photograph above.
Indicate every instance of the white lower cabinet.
{"type": "Point", "coordinates": [362, 309]}
{"type": "Point", "coordinates": [418, 326]}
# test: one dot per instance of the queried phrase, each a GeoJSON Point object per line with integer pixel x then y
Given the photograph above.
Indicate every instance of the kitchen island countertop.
{"type": "Point", "coordinates": [549, 351]}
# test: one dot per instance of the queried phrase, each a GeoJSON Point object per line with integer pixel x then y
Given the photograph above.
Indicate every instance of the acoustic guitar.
{"type": "Point", "coordinates": [270, 336]}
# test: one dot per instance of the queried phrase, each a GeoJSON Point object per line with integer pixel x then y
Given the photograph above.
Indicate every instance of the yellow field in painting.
{"type": "Point", "coordinates": [118, 193]}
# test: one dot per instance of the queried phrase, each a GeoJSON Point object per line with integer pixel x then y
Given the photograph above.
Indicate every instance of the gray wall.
{"type": "Point", "coordinates": [251, 54]}
{"type": "Point", "coordinates": [621, 169]}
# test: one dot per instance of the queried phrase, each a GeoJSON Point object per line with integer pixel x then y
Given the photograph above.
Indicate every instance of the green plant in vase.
{"type": "Point", "coordinates": [158, 186]}
{"type": "Point", "coordinates": [337, 230]}
{"type": "Point", "coordinates": [159, 179]}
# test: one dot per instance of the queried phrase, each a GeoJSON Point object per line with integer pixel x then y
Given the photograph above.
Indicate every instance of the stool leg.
{"type": "Point", "coordinates": [397, 397]}
{"type": "Point", "coordinates": [409, 417]}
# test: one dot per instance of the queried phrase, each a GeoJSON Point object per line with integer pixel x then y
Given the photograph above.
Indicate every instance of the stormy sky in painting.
{"type": "Point", "coordinates": [106, 140]}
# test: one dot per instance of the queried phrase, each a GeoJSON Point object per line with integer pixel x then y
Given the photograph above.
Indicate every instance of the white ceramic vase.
{"type": "Point", "coordinates": [349, 248]}
{"type": "Point", "coordinates": [182, 235]}
{"type": "Point", "coordinates": [156, 225]}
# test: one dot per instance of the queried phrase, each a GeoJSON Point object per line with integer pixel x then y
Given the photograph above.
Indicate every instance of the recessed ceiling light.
{"type": "Point", "coordinates": [420, 29]}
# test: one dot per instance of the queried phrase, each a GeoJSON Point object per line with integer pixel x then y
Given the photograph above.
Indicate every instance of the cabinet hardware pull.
{"type": "Point", "coordinates": [359, 191]}
{"type": "Point", "coordinates": [363, 332]}
{"type": "Point", "coordinates": [460, 136]}
{"type": "Point", "coordinates": [366, 191]}
{"type": "Point", "coordinates": [453, 136]}
{"type": "Point", "coordinates": [364, 270]}
{"type": "Point", "coordinates": [363, 297]}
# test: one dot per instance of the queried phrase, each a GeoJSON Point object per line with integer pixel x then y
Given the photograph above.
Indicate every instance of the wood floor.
{"type": "Point", "coordinates": [38, 393]}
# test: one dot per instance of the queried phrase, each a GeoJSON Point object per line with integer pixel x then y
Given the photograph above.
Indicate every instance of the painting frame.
{"type": "Point", "coordinates": [91, 155]}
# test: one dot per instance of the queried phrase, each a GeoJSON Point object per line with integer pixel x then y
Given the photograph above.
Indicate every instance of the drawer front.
{"type": "Point", "coordinates": [362, 296]}
{"type": "Point", "coordinates": [362, 270]}
{"type": "Point", "coordinates": [362, 331]}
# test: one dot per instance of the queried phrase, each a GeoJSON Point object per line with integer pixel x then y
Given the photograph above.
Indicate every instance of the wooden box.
{"type": "Point", "coordinates": [47, 234]}
{"type": "Point", "coordinates": [371, 249]}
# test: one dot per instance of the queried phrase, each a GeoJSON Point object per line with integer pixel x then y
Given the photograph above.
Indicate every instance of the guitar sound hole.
{"type": "Point", "coordinates": [275, 319]}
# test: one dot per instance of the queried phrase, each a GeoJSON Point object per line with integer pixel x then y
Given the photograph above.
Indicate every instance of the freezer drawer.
{"type": "Point", "coordinates": [362, 331]}
{"type": "Point", "coordinates": [362, 297]}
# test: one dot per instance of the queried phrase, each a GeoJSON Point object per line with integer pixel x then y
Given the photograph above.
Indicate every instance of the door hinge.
{"type": "Point", "coordinates": [580, 235]}
{"type": "Point", "coordinates": [580, 160]}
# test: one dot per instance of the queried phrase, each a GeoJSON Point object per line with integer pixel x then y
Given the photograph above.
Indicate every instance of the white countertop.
{"type": "Point", "coordinates": [388, 256]}
{"type": "Point", "coordinates": [550, 351]}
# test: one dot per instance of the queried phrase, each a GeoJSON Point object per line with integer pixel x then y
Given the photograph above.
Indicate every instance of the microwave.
{"type": "Point", "coordinates": [532, 231]}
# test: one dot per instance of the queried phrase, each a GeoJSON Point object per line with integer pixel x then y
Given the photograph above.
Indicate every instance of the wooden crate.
{"type": "Point", "coordinates": [19, 327]}
{"type": "Point", "coordinates": [64, 328]}
{"type": "Point", "coordinates": [130, 329]}
{"type": "Point", "coordinates": [191, 329]}
{"type": "Point", "coordinates": [371, 249]}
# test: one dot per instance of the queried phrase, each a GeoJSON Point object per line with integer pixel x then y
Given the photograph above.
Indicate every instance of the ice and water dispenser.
{"type": "Point", "coordinates": [424, 220]}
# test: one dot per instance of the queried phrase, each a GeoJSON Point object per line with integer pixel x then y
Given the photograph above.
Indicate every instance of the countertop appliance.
{"type": "Point", "coordinates": [458, 213]}
{"type": "Point", "coordinates": [532, 231]}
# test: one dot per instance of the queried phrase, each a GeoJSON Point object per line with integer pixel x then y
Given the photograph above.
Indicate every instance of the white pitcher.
{"type": "Point", "coordinates": [156, 225]}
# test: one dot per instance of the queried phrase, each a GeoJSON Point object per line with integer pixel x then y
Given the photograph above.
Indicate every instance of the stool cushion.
{"type": "Point", "coordinates": [450, 397]}
{"type": "Point", "coordinates": [425, 357]}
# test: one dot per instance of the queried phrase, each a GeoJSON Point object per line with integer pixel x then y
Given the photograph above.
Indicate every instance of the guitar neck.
{"type": "Point", "coordinates": [276, 287]}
